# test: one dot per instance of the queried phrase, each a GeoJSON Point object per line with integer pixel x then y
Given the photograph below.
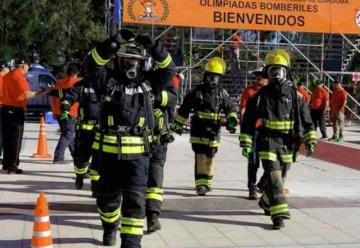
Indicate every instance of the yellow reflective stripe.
{"type": "Point", "coordinates": [154, 196]}
{"type": "Point", "coordinates": [180, 119]}
{"type": "Point", "coordinates": [141, 121]}
{"type": "Point", "coordinates": [157, 113]}
{"type": "Point", "coordinates": [97, 58]}
{"type": "Point", "coordinates": [130, 140]}
{"type": "Point", "coordinates": [81, 112]}
{"type": "Point", "coordinates": [203, 181]}
{"type": "Point", "coordinates": [231, 114]}
{"type": "Point", "coordinates": [208, 116]}
{"type": "Point", "coordinates": [287, 158]}
{"type": "Point", "coordinates": [132, 230]}
{"type": "Point", "coordinates": [94, 175]}
{"type": "Point", "coordinates": [278, 125]}
{"type": "Point", "coordinates": [110, 120]}
{"type": "Point", "coordinates": [115, 149]}
{"type": "Point", "coordinates": [78, 170]}
{"type": "Point", "coordinates": [164, 98]}
{"type": "Point", "coordinates": [65, 102]}
{"type": "Point", "coordinates": [133, 221]}
{"type": "Point", "coordinates": [204, 141]}
{"type": "Point", "coordinates": [165, 63]}
{"type": "Point", "coordinates": [311, 135]}
{"type": "Point", "coordinates": [265, 198]}
{"type": "Point", "coordinates": [278, 209]}
{"type": "Point", "coordinates": [267, 156]}
{"type": "Point", "coordinates": [246, 139]}
{"type": "Point", "coordinates": [61, 94]}
{"type": "Point", "coordinates": [109, 214]}
{"type": "Point", "coordinates": [155, 190]}
{"type": "Point", "coordinates": [110, 217]}
{"type": "Point", "coordinates": [86, 127]}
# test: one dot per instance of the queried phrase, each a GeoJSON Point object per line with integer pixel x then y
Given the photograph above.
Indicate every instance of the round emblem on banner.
{"type": "Point", "coordinates": [357, 18]}
{"type": "Point", "coordinates": [148, 10]}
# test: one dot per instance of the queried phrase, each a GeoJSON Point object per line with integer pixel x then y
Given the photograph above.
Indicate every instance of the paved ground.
{"type": "Point", "coordinates": [324, 200]}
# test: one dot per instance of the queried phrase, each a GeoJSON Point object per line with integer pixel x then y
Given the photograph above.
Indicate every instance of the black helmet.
{"type": "Point", "coordinates": [131, 51]}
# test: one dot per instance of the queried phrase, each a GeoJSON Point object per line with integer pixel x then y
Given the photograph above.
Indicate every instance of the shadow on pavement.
{"type": "Point", "coordinates": [27, 242]}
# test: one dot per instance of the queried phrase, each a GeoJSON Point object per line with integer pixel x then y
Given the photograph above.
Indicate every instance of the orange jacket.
{"type": "Point", "coordinates": [13, 89]}
{"type": "Point", "coordinates": [319, 98]}
{"type": "Point", "coordinates": [302, 90]}
{"type": "Point", "coordinates": [249, 92]}
{"type": "Point", "coordinates": [338, 100]}
{"type": "Point", "coordinates": [176, 81]}
{"type": "Point", "coordinates": [1, 83]}
{"type": "Point", "coordinates": [65, 83]}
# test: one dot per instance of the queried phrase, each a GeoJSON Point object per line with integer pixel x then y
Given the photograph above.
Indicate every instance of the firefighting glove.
{"type": "Point", "coordinates": [246, 152]}
{"type": "Point", "coordinates": [310, 148]}
{"type": "Point", "coordinates": [231, 125]}
{"type": "Point", "coordinates": [65, 116]}
{"type": "Point", "coordinates": [177, 128]}
{"type": "Point", "coordinates": [145, 40]}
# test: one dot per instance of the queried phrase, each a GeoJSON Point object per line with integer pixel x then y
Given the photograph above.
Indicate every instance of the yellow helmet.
{"type": "Point", "coordinates": [278, 57]}
{"type": "Point", "coordinates": [216, 65]}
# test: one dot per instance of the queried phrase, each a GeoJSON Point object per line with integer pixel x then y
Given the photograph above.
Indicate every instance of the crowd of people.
{"type": "Point", "coordinates": [116, 115]}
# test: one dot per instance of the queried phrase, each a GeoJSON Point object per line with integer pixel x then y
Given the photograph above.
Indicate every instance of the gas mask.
{"type": "Point", "coordinates": [212, 80]}
{"type": "Point", "coordinates": [276, 73]}
{"type": "Point", "coordinates": [130, 67]}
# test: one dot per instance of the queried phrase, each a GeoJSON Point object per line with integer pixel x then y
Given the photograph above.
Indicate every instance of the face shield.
{"type": "Point", "coordinates": [276, 73]}
{"type": "Point", "coordinates": [212, 80]}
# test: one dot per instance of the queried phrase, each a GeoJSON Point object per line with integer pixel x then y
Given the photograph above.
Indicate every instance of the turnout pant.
{"type": "Point", "coordinates": [82, 152]}
{"type": "Point", "coordinates": [12, 129]}
{"type": "Point", "coordinates": [318, 118]}
{"type": "Point", "coordinates": [155, 191]}
{"type": "Point", "coordinates": [253, 166]}
{"type": "Point", "coordinates": [204, 165]}
{"type": "Point", "coordinates": [66, 139]}
{"type": "Point", "coordinates": [121, 196]}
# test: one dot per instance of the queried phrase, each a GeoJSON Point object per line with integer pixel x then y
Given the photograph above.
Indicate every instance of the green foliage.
{"type": "Point", "coordinates": [61, 30]}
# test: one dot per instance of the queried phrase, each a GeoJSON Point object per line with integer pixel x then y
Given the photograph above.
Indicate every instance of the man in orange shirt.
{"type": "Point", "coordinates": [253, 164]}
{"type": "Point", "coordinates": [337, 111]}
{"type": "Point", "coordinates": [15, 93]}
{"type": "Point", "coordinates": [4, 69]}
{"type": "Point", "coordinates": [318, 104]}
{"type": "Point", "coordinates": [66, 120]}
{"type": "Point", "coordinates": [304, 92]}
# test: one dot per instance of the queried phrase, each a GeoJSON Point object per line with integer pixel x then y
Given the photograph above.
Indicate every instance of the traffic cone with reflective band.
{"type": "Point", "coordinates": [42, 231]}
{"type": "Point", "coordinates": [42, 151]}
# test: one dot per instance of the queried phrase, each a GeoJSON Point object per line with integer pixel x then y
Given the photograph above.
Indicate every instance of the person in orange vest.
{"type": "Point", "coordinates": [303, 91]}
{"type": "Point", "coordinates": [318, 103]}
{"type": "Point", "coordinates": [253, 162]}
{"type": "Point", "coordinates": [15, 94]}
{"type": "Point", "coordinates": [337, 111]}
{"type": "Point", "coordinates": [4, 69]}
{"type": "Point", "coordinates": [66, 120]}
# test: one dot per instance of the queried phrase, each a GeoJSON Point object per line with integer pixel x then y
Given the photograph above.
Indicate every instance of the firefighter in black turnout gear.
{"type": "Point", "coordinates": [124, 136]}
{"type": "Point", "coordinates": [165, 98]}
{"type": "Point", "coordinates": [285, 120]}
{"type": "Point", "coordinates": [84, 92]}
{"type": "Point", "coordinates": [207, 101]}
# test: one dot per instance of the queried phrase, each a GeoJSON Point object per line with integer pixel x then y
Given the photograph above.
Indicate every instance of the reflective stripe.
{"type": "Point", "coordinates": [204, 141]}
{"type": "Point", "coordinates": [208, 116]}
{"type": "Point", "coordinates": [311, 135]}
{"type": "Point", "coordinates": [115, 149]}
{"type": "Point", "coordinates": [155, 190]}
{"type": "Point", "coordinates": [287, 158]}
{"type": "Point", "coordinates": [164, 98]}
{"type": "Point", "coordinates": [65, 102]}
{"type": "Point", "coordinates": [111, 120]}
{"type": "Point", "coordinates": [165, 63]}
{"type": "Point", "coordinates": [278, 125]}
{"type": "Point", "coordinates": [141, 121]}
{"type": "Point", "coordinates": [203, 181]}
{"type": "Point", "coordinates": [154, 196]}
{"type": "Point", "coordinates": [265, 198]}
{"type": "Point", "coordinates": [267, 156]}
{"type": "Point", "coordinates": [279, 209]}
{"type": "Point", "coordinates": [86, 127]}
{"type": "Point", "coordinates": [94, 175]}
{"type": "Point", "coordinates": [133, 221]}
{"type": "Point", "coordinates": [42, 234]}
{"type": "Point", "coordinates": [231, 114]}
{"type": "Point", "coordinates": [132, 230]}
{"type": "Point", "coordinates": [245, 140]}
{"type": "Point", "coordinates": [180, 119]}
{"type": "Point", "coordinates": [88, 90]}
{"type": "Point", "coordinates": [110, 217]}
{"type": "Point", "coordinates": [42, 246]}
{"type": "Point", "coordinates": [97, 58]}
{"type": "Point", "coordinates": [61, 94]}
{"type": "Point", "coordinates": [131, 140]}
{"type": "Point", "coordinates": [42, 219]}
{"type": "Point", "coordinates": [81, 171]}
{"type": "Point", "coordinates": [81, 112]}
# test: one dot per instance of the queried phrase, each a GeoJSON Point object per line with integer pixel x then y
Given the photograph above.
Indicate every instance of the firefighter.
{"type": "Point", "coordinates": [253, 163]}
{"type": "Point", "coordinates": [84, 92]}
{"type": "Point", "coordinates": [66, 122]}
{"type": "Point", "coordinates": [283, 116]}
{"type": "Point", "coordinates": [207, 101]}
{"type": "Point", "coordinates": [164, 101]}
{"type": "Point", "coordinates": [123, 138]}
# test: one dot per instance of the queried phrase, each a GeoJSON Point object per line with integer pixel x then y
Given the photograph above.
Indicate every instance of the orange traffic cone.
{"type": "Point", "coordinates": [41, 232]}
{"type": "Point", "coordinates": [42, 143]}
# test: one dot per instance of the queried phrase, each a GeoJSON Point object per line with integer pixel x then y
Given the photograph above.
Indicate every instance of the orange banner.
{"type": "Point", "coordinates": [320, 16]}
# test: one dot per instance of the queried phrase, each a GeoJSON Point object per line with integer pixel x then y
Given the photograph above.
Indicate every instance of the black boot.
{"type": "Point", "coordinates": [153, 223]}
{"type": "Point", "coordinates": [109, 237]}
{"type": "Point", "coordinates": [94, 188]}
{"type": "Point", "coordinates": [278, 222]}
{"type": "Point", "coordinates": [266, 211]}
{"type": "Point", "coordinates": [201, 190]}
{"type": "Point", "coordinates": [79, 181]}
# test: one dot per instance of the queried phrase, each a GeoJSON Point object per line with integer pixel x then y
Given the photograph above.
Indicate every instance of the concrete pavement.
{"type": "Point", "coordinates": [324, 201]}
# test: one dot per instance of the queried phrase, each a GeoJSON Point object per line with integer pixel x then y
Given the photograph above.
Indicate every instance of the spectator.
{"type": "Point", "coordinates": [236, 42]}
{"type": "Point", "coordinates": [15, 94]}
{"type": "Point", "coordinates": [337, 111]}
{"type": "Point", "coordinates": [4, 69]}
{"type": "Point", "coordinates": [318, 103]}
